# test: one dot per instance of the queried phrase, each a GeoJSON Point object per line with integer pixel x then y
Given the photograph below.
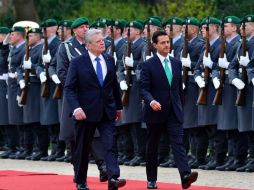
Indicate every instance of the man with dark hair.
{"type": "Point", "coordinates": [161, 90]}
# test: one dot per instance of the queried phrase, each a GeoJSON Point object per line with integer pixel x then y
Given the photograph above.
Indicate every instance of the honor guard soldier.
{"type": "Point", "coordinates": [173, 27]}
{"type": "Point", "coordinates": [241, 76]}
{"type": "Point", "coordinates": [30, 91]}
{"type": "Point", "coordinates": [49, 109]}
{"type": "Point", "coordinates": [15, 112]}
{"type": "Point", "coordinates": [208, 82]}
{"type": "Point", "coordinates": [129, 75]}
{"type": "Point", "coordinates": [4, 120]}
{"type": "Point", "coordinates": [192, 49]}
{"type": "Point", "coordinates": [227, 111]}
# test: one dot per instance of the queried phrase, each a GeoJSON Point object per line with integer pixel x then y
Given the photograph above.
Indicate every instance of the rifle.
{"type": "Point", "coordinates": [218, 96]}
{"type": "Point", "coordinates": [202, 98]}
{"type": "Point", "coordinates": [240, 101]}
{"type": "Point", "coordinates": [149, 44]}
{"type": "Point", "coordinates": [185, 53]}
{"type": "Point", "coordinates": [59, 88]}
{"type": "Point", "coordinates": [171, 37]}
{"type": "Point", "coordinates": [45, 85]}
{"type": "Point", "coordinates": [24, 91]}
{"type": "Point", "coordinates": [128, 77]}
{"type": "Point", "coordinates": [113, 48]}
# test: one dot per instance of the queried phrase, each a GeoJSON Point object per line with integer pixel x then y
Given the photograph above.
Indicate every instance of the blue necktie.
{"type": "Point", "coordinates": [99, 70]}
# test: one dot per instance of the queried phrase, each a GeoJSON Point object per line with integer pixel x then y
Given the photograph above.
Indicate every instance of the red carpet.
{"type": "Point", "coordinates": [16, 180]}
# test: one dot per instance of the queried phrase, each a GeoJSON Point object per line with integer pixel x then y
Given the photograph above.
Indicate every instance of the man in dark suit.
{"type": "Point", "coordinates": [92, 92]}
{"type": "Point", "coordinates": [161, 90]}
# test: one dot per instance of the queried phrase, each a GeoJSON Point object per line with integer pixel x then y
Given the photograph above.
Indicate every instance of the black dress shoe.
{"type": "Point", "coordinates": [213, 165]}
{"type": "Point", "coordinates": [13, 156]}
{"type": "Point", "coordinates": [235, 165]}
{"type": "Point", "coordinates": [247, 165]}
{"type": "Point", "coordinates": [82, 186]}
{"type": "Point", "coordinates": [187, 180]}
{"type": "Point", "coordinates": [165, 164]}
{"type": "Point", "coordinates": [39, 155]}
{"type": "Point", "coordinates": [224, 166]}
{"type": "Point", "coordinates": [61, 159]}
{"type": "Point", "coordinates": [68, 159]}
{"type": "Point", "coordinates": [202, 167]}
{"type": "Point", "coordinates": [142, 164]}
{"type": "Point", "coordinates": [7, 154]}
{"type": "Point", "coordinates": [124, 159]}
{"type": "Point", "coordinates": [114, 184]}
{"type": "Point", "coordinates": [136, 161]}
{"type": "Point", "coordinates": [103, 174]}
{"type": "Point", "coordinates": [23, 155]}
{"type": "Point", "coordinates": [151, 185]}
{"type": "Point", "coordinates": [55, 156]}
{"type": "Point", "coordinates": [196, 164]}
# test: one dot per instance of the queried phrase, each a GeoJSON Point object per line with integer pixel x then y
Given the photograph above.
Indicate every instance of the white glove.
{"type": "Point", "coordinates": [186, 61]}
{"type": "Point", "coordinates": [43, 77]}
{"type": "Point", "coordinates": [200, 81]}
{"type": "Point", "coordinates": [244, 60]}
{"type": "Point", "coordinates": [123, 85]}
{"type": "Point", "coordinates": [171, 54]}
{"type": "Point", "coordinates": [27, 64]}
{"type": "Point", "coordinates": [207, 62]}
{"type": "Point", "coordinates": [183, 86]}
{"type": "Point", "coordinates": [115, 56]}
{"type": "Point", "coordinates": [22, 84]}
{"type": "Point", "coordinates": [55, 79]}
{"type": "Point", "coordinates": [6, 39]}
{"type": "Point", "coordinates": [46, 58]}
{"type": "Point", "coordinates": [18, 98]}
{"type": "Point", "coordinates": [239, 84]}
{"type": "Point", "coordinates": [149, 56]}
{"type": "Point", "coordinates": [252, 80]}
{"type": "Point", "coordinates": [223, 62]}
{"type": "Point", "coordinates": [216, 83]}
{"type": "Point", "coordinates": [129, 61]}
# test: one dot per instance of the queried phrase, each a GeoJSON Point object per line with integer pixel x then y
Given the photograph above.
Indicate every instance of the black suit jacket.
{"type": "Point", "coordinates": [82, 89]}
{"type": "Point", "coordinates": [154, 86]}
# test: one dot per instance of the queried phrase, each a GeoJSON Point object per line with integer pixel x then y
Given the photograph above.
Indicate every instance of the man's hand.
{"type": "Point", "coordinates": [238, 83]}
{"type": "Point", "coordinates": [22, 84]}
{"type": "Point", "coordinates": [223, 62]}
{"type": "Point", "coordinates": [216, 83]}
{"type": "Point", "coordinates": [244, 60]}
{"type": "Point", "coordinates": [55, 79]}
{"type": "Point", "coordinates": [156, 106]}
{"type": "Point", "coordinates": [79, 114]}
{"type": "Point", "coordinates": [123, 85]}
{"type": "Point", "coordinates": [43, 77]}
{"type": "Point", "coordinates": [129, 61]}
{"type": "Point", "coordinates": [46, 58]}
{"type": "Point", "coordinates": [27, 64]}
{"type": "Point", "coordinates": [118, 114]}
{"type": "Point", "coordinates": [200, 81]}
{"type": "Point", "coordinates": [186, 61]}
{"type": "Point", "coordinates": [7, 39]}
{"type": "Point", "coordinates": [207, 62]}
{"type": "Point", "coordinates": [149, 56]}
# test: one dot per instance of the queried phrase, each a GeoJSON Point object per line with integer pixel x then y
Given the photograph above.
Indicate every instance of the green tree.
{"type": "Point", "coordinates": [185, 8]}
{"type": "Point", "coordinates": [128, 9]}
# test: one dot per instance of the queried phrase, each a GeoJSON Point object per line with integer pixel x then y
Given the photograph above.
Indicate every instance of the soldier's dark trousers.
{"type": "Point", "coordinates": [41, 132]}
{"type": "Point", "coordinates": [251, 144]}
{"type": "Point", "coordinates": [189, 140]}
{"type": "Point", "coordinates": [3, 140]}
{"type": "Point", "coordinates": [27, 132]}
{"type": "Point", "coordinates": [124, 142]}
{"type": "Point", "coordinates": [221, 146]}
{"type": "Point", "coordinates": [58, 146]}
{"type": "Point", "coordinates": [12, 134]}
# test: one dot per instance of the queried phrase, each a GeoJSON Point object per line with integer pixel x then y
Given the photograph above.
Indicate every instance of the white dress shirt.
{"type": "Point", "coordinates": [162, 58]}
{"type": "Point", "coordinates": [102, 61]}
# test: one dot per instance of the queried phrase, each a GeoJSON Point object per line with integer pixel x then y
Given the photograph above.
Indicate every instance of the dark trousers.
{"type": "Point", "coordinates": [42, 138]}
{"type": "Point", "coordinates": [12, 135]}
{"type": "Point", "coordinates": [84, 134]}
{"type": "Point", "coordinates": [58, 146]}
{"type": "Point", "coordinates": [3, 140]}
{"type": "Point", "coordinates": [26, 133]}
{"type": "Point", "coordinates": [124, 142]}
{"type": "Point", "coordinates": [175, 133]}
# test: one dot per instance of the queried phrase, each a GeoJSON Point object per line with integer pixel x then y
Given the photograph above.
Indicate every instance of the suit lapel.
{"type": "Point", "coordinates": [106, 58]}
{"type": "Point", "coordinates": [90, 67]}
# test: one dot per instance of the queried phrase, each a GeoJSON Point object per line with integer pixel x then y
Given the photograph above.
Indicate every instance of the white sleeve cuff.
{"type": "Point", "coordinates": [76, 110]}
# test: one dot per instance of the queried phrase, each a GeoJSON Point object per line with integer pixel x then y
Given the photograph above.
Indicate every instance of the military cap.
{"type": "Point", "coordinates": [124, 22]}
{"type": "Point", "coordinates": [118, 23]}
{"type": "Point", "coordinates": [231, 19]}
{"type": "Point", "coordinates": [4, 30]}
{"type": "Point", "coordinates": [98, 24]}
{"type": "Point", "coordinates": [248, 18]}
{"type": "Point", "coordinates": [157, 17]}
{"type": "Point", "coordinates": [136, 24]}
{"type": "Point", "coordinates": [154, 22]}
{"type": "Point", "coordinates": [17, 29]}
{"type": "Point", "coordinates": [106, 21]}
{"type": "Point", "coordinates": [35, 30]}
{"type": "Point", "coordinates": [212, 20]}
{"type": "Point", "coordinates": [66, 23]}
{"type": "Point", "coordinates": [192, 21]}
{"type": "Point", "coordinates": [79, 21]}
{"type": "Point", "coordinates": [140, 21]}
{"type": "Point", "coordinates": [174, 21]}
{"type": "Point", "coordinates": [50, 22]}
